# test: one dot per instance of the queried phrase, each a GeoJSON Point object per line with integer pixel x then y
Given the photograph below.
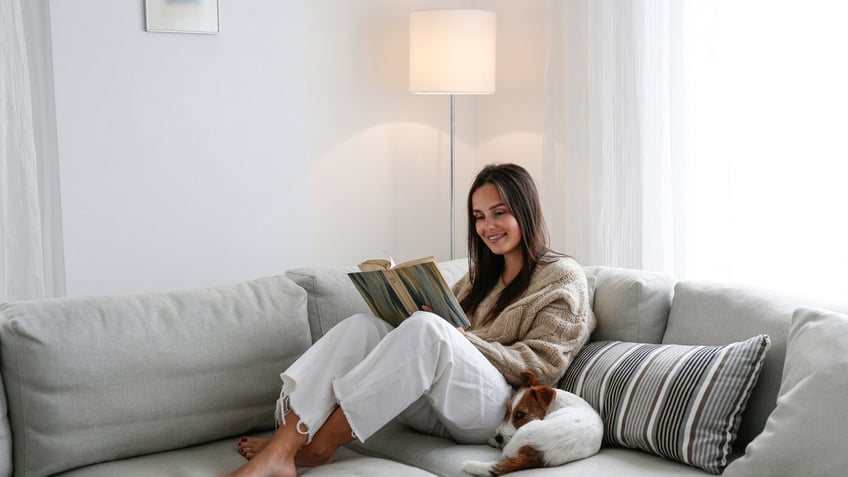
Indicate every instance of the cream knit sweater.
{"type": "Point", "coordinates": [543, 330]}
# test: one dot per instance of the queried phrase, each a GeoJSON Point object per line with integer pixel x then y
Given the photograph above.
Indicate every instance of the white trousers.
{"type": "Point", "coordinates": [425, 372]}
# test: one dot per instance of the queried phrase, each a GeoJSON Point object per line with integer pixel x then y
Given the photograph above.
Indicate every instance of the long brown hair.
{"type": "Point", "coordinates": [519, 193]}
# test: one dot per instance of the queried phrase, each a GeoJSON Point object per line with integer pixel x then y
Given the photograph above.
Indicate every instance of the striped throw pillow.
{"type": "Point", "coordinates": [680, 402]}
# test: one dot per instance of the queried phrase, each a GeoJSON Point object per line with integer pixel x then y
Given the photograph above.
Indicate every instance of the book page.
{"type": "Point", "coordinates": [389, 263]}
{"type": "Point", "coordinates": [376, 264]}
{"type": "Point", "coordinates": [416, 261]}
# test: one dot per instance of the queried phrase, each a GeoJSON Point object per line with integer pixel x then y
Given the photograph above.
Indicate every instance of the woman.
{"type": "Point", "coordinates": [528, 308]}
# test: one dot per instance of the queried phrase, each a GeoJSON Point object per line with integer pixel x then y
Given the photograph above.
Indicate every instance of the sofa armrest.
{"type": "Point", "coordinates": [91, 379]}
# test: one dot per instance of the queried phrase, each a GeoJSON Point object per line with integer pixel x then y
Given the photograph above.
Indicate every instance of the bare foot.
{"type": "Point", "coordinates": [250, 446]}
{"type": "Point", "coordinates": [277, 458]}
{"type": "Point", "coordinates": [271, 463]}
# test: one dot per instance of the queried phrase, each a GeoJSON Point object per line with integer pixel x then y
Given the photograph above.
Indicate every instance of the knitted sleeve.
{"type": "Point", "coordinates": [542, 332]}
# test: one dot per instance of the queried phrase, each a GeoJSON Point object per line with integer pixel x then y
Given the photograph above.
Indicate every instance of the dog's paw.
{"type": "Point", "coordinates": [475, 467]}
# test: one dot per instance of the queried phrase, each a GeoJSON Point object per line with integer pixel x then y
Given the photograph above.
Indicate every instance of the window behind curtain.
{"type": "Point", "coordinates": [701, 138]}
{"type": "Point", "coordinates": [768, 144]}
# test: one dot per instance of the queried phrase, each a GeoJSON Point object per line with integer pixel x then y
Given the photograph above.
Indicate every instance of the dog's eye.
{"type": "Point", "coordinates": [519, 415]}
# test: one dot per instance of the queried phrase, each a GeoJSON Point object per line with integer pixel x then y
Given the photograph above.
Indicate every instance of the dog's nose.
{"type": "Point", "coordinates": [499, 439]}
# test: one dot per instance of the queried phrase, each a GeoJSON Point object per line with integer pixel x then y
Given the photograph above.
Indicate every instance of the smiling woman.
{"type": "Point", "coordinates": [507, 236]}
{"type": "Point", "coordinates": [433, 377]}
{"type": "Point", "coordinates": [497, 227]}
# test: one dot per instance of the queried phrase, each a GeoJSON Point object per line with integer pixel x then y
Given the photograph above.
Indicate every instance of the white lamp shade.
{"type": "Point", "coordinates": [452, 51]}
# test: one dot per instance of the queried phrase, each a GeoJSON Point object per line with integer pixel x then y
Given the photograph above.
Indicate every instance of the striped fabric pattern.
{"type": "Point", "coordinates": [681, 402]}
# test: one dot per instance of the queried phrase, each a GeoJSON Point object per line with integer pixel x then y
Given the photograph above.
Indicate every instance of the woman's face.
{"type": "Point", "coordinates": [494, 222]}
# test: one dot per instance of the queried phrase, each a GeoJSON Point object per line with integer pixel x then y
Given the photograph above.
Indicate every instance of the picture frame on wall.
{"type": "Point", "coordinates": [182, 16]}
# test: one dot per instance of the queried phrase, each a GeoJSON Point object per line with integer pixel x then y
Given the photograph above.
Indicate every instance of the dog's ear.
{"type": "Point", "coordinates": [544, 395]}
{"type": "Point", "coordinates": [528, 379]}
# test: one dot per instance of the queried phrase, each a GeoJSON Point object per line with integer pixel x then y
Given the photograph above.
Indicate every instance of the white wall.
{"type": "Point", "coordinates": [510, 124]}
{"type": "Point", "coordinates": [375, 155]}
{"type": "Point", "coordinates": [288, 140]}
{"type": "Point", "coordinates": [182, 157]}
{"type": "Point", "coordinates": [380, 156]}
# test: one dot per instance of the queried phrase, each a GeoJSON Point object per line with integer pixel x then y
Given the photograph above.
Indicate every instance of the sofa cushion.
{"type": "Point", "coordinates": [630, 305]}
{"type": "Point", "coordinates": [805, 433]}
{"type": "Point", "coordinates": [591, 283]}
{"type": "Point", "coordinates": [220, 457]}
{"type": "Point", "coordinates": [680, 402]}
{"type": "Point", "coordinates": [712, 313]}
{"type": "Point", "coordinates": [444, 457]}
{"type": "Point", "coordinates": [332, 297]}
{"type": "Point", "coordinates": [205, 460]}
{"type": "Point", "coordinates": [92, 379]}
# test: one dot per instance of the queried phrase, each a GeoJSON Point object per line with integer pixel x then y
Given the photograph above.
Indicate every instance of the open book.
{"type": "Point", "coordinates": [393, 292]}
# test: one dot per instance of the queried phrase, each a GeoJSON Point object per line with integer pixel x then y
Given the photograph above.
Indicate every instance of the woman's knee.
{"type": "Point", "coordinates": [363, 321]}
{"type": "Point", "coordinates": [425, 322]}
{"type": "Point", "coordinates": [360, 328]}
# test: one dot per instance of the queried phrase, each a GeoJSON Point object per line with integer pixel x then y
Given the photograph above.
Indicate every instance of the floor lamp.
{"type": "Point", "coordinates": [452, 52]}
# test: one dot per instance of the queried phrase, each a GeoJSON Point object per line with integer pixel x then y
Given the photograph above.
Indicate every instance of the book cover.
{"type": "Point", "coordinates": [393, 292]}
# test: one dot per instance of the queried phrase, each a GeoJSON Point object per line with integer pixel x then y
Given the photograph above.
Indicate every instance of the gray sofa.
{"type": "Point", "coordinates": [163, 384]}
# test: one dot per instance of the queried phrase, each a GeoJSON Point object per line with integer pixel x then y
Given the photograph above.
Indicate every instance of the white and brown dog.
{"type": "Point", "coordinates": [544, 427]}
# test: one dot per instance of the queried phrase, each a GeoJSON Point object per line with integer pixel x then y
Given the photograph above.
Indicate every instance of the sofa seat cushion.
{"type": "Point", "coordinates": [92, 379]}
{"type": "Point", "coordinates": [444, 457]}
{"type": "Point", "coordinates": [220, 457]}
{"type": "Point", "coordinates": [203, 460]}
{"type": "Point", "coordinates": [805, 433]}
{"type": "Point", "coordinates": [680, 402]}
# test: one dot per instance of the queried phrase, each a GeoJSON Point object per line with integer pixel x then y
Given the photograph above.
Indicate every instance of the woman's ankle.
{"type": "Point", "coordinates": [312, 456]}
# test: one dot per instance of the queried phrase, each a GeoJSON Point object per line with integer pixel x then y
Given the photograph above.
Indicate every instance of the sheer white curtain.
{"type": "Point", "coordinates": [612, 140]}
{"type": "Point", "coordinates": [31, 263]}
{"type": "Point", "coordinates": [703, 139]}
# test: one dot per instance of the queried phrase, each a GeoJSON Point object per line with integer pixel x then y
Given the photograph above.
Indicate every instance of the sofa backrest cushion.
{"type": "Point", "coordinates": [712, 313]}
{"type": "Point", "coordinates": [805, 433]}
{"type": "Point", "coordinates": [331, 296]}
{"type": "Point", "coordinates": [630, 305]}
{"type": "Point", "coordinates": [92, 379]}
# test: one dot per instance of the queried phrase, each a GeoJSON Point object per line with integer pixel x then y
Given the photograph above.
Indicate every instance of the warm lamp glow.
{"type": "Point", "coordinates": [452, 51]}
